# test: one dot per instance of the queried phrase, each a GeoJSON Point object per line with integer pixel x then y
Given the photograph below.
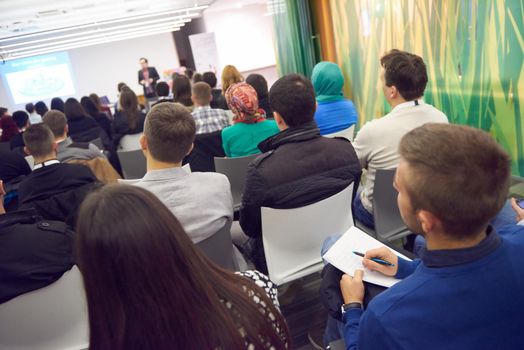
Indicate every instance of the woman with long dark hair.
{"type": "Point", "coordinates": [128, 119]}
{"type": "Point", "coordinates": [149, 287]}
{"type": "Point", "coordinates": [100, 117]}
{"type": "Point", "coordinates": [182, 90]}
{"type": "Point", "coordinates": [82, 128]}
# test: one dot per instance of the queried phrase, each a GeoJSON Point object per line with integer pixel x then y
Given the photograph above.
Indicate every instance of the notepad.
{"type": "Point", "coordinates": [341, 256]}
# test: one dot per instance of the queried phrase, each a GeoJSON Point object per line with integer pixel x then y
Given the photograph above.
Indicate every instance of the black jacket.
{"type": "Point", "coordinates": [56, 191]}
{"type": "Point", "coordinates": [219, 100]}
{"type": "Point", "coordinates": [12, 165]}
{"type": "Point", "coordinates": [205, 148]}
{"type": "Point", "coordinates": [153, 74]}
{"type": "Point", "coordinates": [33, 253]}
{"type": "Point", "coordinates": [83, 129]}
{"type": "Point", "coordinates": [121, 126]}
{"type": "Point", "coordinates": [299, 167]}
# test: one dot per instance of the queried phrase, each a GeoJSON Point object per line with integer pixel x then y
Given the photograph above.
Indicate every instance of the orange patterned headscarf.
{"type": "Point", "coordinates": [242, 100]}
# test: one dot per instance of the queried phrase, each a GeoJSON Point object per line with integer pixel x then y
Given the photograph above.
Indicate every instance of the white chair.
{"type": "Point", "coordinates": [50, 318]}
{"type": "Point", "coordinates": [31, 161]}
{"type": "Point", "coordinates": [293, 237]}
{"type": "Point", "coordinates": [236, 170]}
{"type": "Point", "coordinates": [187, 168]}
{"type": "Point", "coordinates": [346, 133]}
{"type": "Point", "coordinates": [130, 142]}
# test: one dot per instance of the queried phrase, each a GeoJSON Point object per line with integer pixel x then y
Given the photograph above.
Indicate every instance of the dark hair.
{"type": "Point", "coordinates": [3, 110]}
{"type": "Point", "coordinates": [20, 118]}
{"type": "Point", "coordinates": [30, 108]}
{"type": "Point", "coordinates": [259, 83]}
{"type": "Point", "coordinates": [39, 140]}
{"type": "Point", "coordinates": [197, 77]}
{"type": "Point", "coordinates": [41, 108]}
{"type": "Point", "coordinates": [162, 89]}
{"type": "Point", "coordinates": [149, 287]}
{"type": "Point", "coordinates": [120, 86]}
{"type": "Point", "coordinates": [73, 109]}
{"type": "Point", "coordinates": [9, 128]}
{"type": "Point", "coordinates": [58, 104]}
{"type": "Point", "coordinates": [189, 73]}
{"type": "Point", "coordinates": [405, 71]}
{"type": "Point", "coordinates": [170, 131]}
{"type": "Point", "coordinates": [202, 92]}
{"type": "Point", "coordinates": [458, 173]}
{"type": "Point", "coordinates": [182, 90]}
{"type": "Point", "coordinates": [143, 58]}
{"type": "Point", "coordinates": [89, 106]}
{"type": "Point", "coordinates": [129, 104]}
{"type": "Point", "coordinates": [293, 97]}
{"type": "Point", "coordinates": [96, 100]}
{"type": "Point", "coordinates": [210, 78]}
{"type": "Point", "coordinates": [56, 121]}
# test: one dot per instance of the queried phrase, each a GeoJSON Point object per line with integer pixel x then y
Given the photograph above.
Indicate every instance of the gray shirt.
{"type": "Point", "coordinates": [66, 153]}
{"type": "Point", "coordinates": [202, 202]}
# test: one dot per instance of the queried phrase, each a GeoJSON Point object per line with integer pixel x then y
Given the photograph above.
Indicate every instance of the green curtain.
{"type": "Point", "coordinates": [293, 33]}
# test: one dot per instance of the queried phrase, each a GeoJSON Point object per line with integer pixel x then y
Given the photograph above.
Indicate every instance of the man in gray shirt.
{"type": "Point", "coordinates": [202, 202]}
{"type": "Point", "coordinates": [67, 149]}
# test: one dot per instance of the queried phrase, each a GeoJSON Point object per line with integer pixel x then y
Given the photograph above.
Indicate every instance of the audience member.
{"type": "Point", "coordinates": [182, 90]}
{"type": "Point", "coordinates": [41, 108]}
{"type": "Point", "coordinates": [147, 77]}
{"type": "Point", "coordinates": [298, 167]}
{"type": "Point", "coordinates": [230, 76]}
{"type": "Point", "coordinates": [33, 252]}
{"type": "Point", "coordinates": [197, 77]}
{"type": "Point", "coordinates": [21, 119]}
{"type": "Point", "coordinates": [469, 281]}
{"type": "Point", "coordinates": [3, 112]}
{"type": "Point", "coordinates": [9, 128]}
{"type": "Point", "coordinates": [101, 118]}
{"type": "Point", "coordinates": [57, 104]}
{"type": "Point", "coordinates": [218, 100]}
{"type": "Point", "coordinates": [129, 119]}
{"type": "Point", "coordinates": [206, 118]}
{"type": "Point", "coordinates": [334, 112]}
{"type": "Point", "coordinates": [404, 79]}
{"type": "Point", "coordinates": [188, 72]}
{"type": "Point", "coordinates": [67, 149]}
{"type": "Point", "coordinates": [249, 125]}
{"type": "Point", "coordinates": [54, 189]}
{"type": "Point", "coordinates": [81, 127]}
{"type": "Point", "coordinates": [135, 267]}
{"type": "Point", "coordinates": [259, 83]}
{"type": "Point", "coordinates": [34, 118]}
{"type": "Point", "coordinates": [12, 166]}
{"type": "Point", "coordinates": [119, 88]}
{"type": "Point", "coordinates": [100, 106]}
{"type": "Point", "coordinates": [201, 201]}
{"type": "Point", "coordinates": [162, 91]}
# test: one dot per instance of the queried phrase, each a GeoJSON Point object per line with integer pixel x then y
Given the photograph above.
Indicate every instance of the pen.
{"type": "Point", "coordinates": [377, 260]}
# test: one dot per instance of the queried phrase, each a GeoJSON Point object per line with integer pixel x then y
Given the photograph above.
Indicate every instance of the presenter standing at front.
{"type": "Point", "coordinates": [147, 77]}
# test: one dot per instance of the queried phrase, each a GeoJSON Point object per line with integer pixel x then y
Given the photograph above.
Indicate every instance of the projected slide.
{"type": "Point", "coordinates": [39, 77]}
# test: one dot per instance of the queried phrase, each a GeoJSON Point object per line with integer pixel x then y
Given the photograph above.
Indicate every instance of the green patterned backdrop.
{"type": "Point", "coordinates": [473, 49]}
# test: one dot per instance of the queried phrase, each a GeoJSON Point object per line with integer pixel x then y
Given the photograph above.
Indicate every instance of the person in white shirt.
{"type": "Point", "coordinates": [404, 79]}
{"type": "Point", "coordinates": [34, 118]}
{"type": "Point", "coordinates": [202, 202]}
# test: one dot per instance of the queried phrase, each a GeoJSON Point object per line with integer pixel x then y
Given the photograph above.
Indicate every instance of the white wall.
{"type": "Point", "coordinates": [244, 36]}
{"type": "Point", "coordinates": [100, 68]}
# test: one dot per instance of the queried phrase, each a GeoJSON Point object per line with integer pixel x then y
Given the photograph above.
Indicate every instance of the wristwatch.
{"type": "Point", "coordinates": [346, 307]}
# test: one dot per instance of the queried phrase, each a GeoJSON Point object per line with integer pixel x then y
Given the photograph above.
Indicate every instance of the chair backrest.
{"type": "Point", "coordinates": [5, 146]}
{"type": "Point", "coordinates": [219, 247]}
{"type": "Point", "coordinates": [388, 222]}
{"type": "Point", "coordinates": [31, 161]}
{"type": "Point", "coordinates": [235, 169]}
{"type": "Point", "coordinates": [53, 317]}
{"type": "Point", "coordinates": [98, 143]}
{"type": "Point", "coordinates": [130, 142]}
{"type": "Point", "coordinates": [133, 164]}
{"type": "Point", "coordinates": [346, 133]}
{"type": "Point", "coordinates": [293, 237]}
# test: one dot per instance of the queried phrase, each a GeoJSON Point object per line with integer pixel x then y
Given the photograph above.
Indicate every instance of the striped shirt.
{"type": "Point", "coordinates": [208, 119]}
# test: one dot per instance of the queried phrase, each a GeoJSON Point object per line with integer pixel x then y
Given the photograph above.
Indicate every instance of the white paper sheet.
{"type": "Point", "coordinates": [341, 256]}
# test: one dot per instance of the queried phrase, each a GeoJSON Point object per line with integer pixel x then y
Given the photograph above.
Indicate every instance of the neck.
{"type": "Point", "coordinates": [444, 241]}
{"type": "Point", "coordinates": [153, 164]}
{"type": "Point", "coordinates": [39, 160]}
{"type": "Point", "coordinates": [61, 138]}
{"type": "Point", "coordinates": [198, 104]}
{"type": "Point", "coordinates": [396, 102]}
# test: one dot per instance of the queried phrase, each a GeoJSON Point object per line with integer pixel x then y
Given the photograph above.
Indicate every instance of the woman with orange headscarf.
{"type": "Point", "coordinates": [250, 126]}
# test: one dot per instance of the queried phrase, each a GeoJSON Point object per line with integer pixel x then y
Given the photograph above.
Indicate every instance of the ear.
{"type": "Point", "coordinates": [66, 129]}
{"type": "Point", "coordinates": [279, 120]}
{"type": "Point", "coordinates": [393, 92]}
{"type": "Point", "coordinates": [193, 99]}
{"type": "Point", "coordinates": [143, 142]}
{"type": "Point", "coordinates": [428, 221]}
{"type": "Point", "coordinates": [190, 149]}
{"type": "Point", "coordinates": [55, 147]}
{"type": "Point", "coordinates": [27, 151]}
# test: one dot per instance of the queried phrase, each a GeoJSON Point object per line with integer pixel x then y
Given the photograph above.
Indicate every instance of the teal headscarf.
{"type": "Point", "coordinates": [328, 81]}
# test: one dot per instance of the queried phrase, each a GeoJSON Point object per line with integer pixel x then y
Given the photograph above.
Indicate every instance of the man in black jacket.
{"type": "Point", "coordinates": [299, 167]}
{"type": "Point", "coordinates": [33, 252]}
{"type": "Point", "coordinates": [147, 77]}
{"type": "Point", "coordinates": [54, 189]}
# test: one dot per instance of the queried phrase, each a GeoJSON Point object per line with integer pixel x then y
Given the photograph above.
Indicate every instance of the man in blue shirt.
{"type": "Point", "coordinates": [467, 291]}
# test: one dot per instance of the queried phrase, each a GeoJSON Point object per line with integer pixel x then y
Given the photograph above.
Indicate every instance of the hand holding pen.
{"type": "Point", "coordinates": [382, 260]}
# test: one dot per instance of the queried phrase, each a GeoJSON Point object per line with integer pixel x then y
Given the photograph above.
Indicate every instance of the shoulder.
{"type": "Point", "coordinates": [206, 177]}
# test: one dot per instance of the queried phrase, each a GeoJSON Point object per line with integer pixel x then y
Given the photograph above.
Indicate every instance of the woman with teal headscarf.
{"type": "Point", "coordinates": [334, 112]}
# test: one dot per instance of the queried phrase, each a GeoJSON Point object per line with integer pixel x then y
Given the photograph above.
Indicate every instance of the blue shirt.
{"type": "Point", "coordinates": [453, 299]}
{"type": "Point", "coordinates": [335, 116]}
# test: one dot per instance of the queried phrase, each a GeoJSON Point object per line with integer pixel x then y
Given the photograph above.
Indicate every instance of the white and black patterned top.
{"type": "Point", "coordinates": [263, 282]}
{"type": "Point", "coordinates": [208, 119]}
